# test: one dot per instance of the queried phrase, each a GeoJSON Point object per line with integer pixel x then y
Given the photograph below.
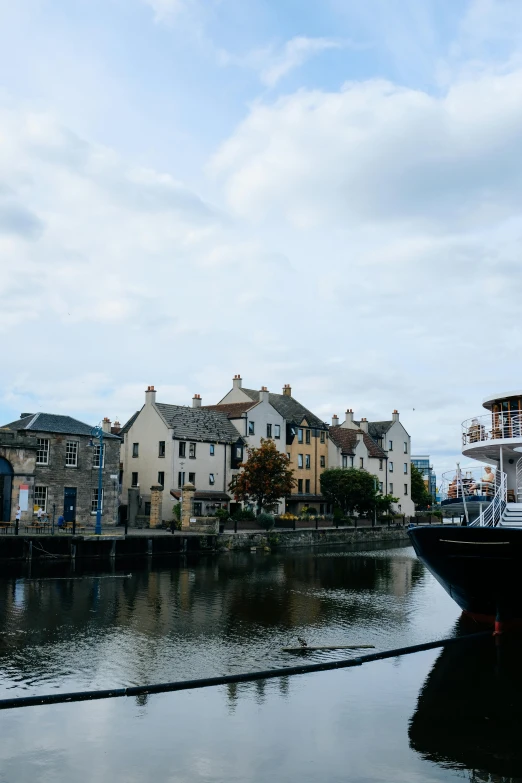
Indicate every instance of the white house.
{"type": "Point", "coordinates": [170, 445]}
{"type": "Point", "coordinates": [394, 442]}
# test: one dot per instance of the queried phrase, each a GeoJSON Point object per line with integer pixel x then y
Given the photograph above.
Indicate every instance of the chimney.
{"type": "Point", "coordinates": [348, 422]}
{"type": "Point", "coordinates": [237, 381]}
{"type": "Point", "coordinates": [196, 401]}
{"type": "Point", "coordinates": [263, 394]}
{"type": "Point", "coordinates": [116, 427]}
{"type": "Point", "coordinates": [364, 425]}
{"type": "Point", "coordinates": [106, 425]}
{"type": "Point", "coordinates": [395, 415]}
{"type": "Point", "coordinates": [150, 395]}
{"type": "Point", "coordinates": [335, 420]}
{"type": "Point", "coordinates": [287, 390]}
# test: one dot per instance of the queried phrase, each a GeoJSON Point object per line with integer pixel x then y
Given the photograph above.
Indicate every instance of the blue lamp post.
{"type": "Point", "coordinates": [97, 432]}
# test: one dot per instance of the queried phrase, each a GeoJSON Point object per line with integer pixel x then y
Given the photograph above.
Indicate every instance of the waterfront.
{"type": "Point", "coordinates": [64, 631]}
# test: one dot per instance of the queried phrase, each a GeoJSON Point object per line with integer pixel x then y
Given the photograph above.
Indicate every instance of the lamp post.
{"type": "Point", "coordinates": [97, 432]}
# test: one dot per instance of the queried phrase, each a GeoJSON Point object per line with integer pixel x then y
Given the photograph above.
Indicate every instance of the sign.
{"type": "Point", "coordinates": [193, 520]}
{"type": "Point", "coordinates": [23, 497]}
{"type": "Point", "coordinates": [114, 476]}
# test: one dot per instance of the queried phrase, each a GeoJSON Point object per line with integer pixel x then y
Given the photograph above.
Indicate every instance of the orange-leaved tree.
{"type": "Point", "coordinates": [265, 477]}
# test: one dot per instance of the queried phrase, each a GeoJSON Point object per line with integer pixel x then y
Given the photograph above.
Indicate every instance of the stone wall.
{"type": "Point", "coordinates": [288, 539]}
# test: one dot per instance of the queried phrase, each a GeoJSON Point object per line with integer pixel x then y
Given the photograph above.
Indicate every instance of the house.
{"type": "Point", "coordinates": [294, 429]}
{"type": "Point", "coordinates": [354, 448]}
{"type": "Point", "coordinates": [392, 438]}
{"type": "Point", "coordinates": [52, 461]}
{"type": "Point", "coordinates": [170, 445]}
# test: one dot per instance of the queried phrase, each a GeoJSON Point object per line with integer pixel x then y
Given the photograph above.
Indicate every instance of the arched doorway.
{"type": "Point", "coordinates": [6, 485]}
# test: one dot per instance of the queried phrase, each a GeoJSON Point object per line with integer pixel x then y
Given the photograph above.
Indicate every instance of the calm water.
{"type": "Point", "coordinates": [415, 718]}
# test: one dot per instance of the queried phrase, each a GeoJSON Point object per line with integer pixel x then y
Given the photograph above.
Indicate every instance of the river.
{"type": "Point", "coordinates": [413, 718]}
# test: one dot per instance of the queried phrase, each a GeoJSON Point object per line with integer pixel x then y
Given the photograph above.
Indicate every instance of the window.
{"type": "Point", "coordinates": [323, 437]}
{"type": "Point", "coordinates": [307, 486]}
{"type": "Point", "coordinates": [405, 467]}
{"type": "Point", "coordinates": [405, 489]}
{"type": "Point", "coordinates": [405, 447]}
{"type": "Point", "coordinates": [307, 461]}
{"type": "Point", "coordinates": [161, 448]}
{"type": "Point", "coordinates": [134, 481]}
{"type": "Point", "coordinates": [288, 456]}
{"type": "Point", "coordinates": [135, 449]}
{"type": "Point", "coordinates": [192, 478]}
{"type": "Point", "coordinates": [268, 430]}
{"type": "Point", "coordinates": [239, 452]}
{"type": "Point", "coordinates": [300, 486]}
{"type": "Point", "coordinates": [299, 435]}
{"type": "Point", "coordinates": [94, 500]}
{"type": "Point", "coordinates": [277, 431]}
{"type": "Point", "coordinates": [161, 478]}
{"type": "Point", "coordinates": [40, 497]}
{"type": "Point", "coordinates": [96, 456]}
{"type": "Point", "coordinates": [299, 460]}
{"type": "Point", "coordinates": [147, 508]}
{"type": "Point", "coordinates": [181, 478]}
{"type": "Point", "coordinates": [380, 487]}
{"type": "Point", "coordinates": [198, 508]}
{"type": "Point", "coordinates": [42, 454]}
{"type": "Point", "coordinates": [380, 464]}
{"type": "Point", "coordinates": [192, 451]}
{"type": "Point", "coordinates": [307, 436]}
{"type": "Point", "coordinates": [362, 462]}
{"type": "Point", "coordinates": [251, 428]}
{"type": "Point", "coordinates": [323, 461]}
{"type": "Point", "coordinates": [71, 454]}
{"type": "Point", "coordinates": [351, 460]}
{"type": "Point", "coordinates": [345, 461]}
{"type": "Point", "coordinates": [182, 451]}
{"type": "Point", "coordinates": [390, 445]}
{"type": "Point", "coordinates": [211, 479]}
{"type": "Point", "coordinates": [212, 449]}
{"type": "Point", "coordinates": [391, 489]}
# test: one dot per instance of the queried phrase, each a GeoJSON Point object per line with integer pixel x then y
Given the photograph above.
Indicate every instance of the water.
{"type": "Point", "coordinates": [414, 718]}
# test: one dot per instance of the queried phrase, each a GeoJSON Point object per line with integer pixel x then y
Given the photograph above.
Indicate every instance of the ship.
{"type": "Point", "coordinates": [478, 559]}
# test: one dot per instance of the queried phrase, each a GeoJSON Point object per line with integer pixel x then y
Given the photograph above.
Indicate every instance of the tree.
{"type": "Point", "coordinates": [350, 489]}
{"type": "Point", "coordinates": [266, 476]}
{"type": "Point", "coordinates": [419, 494]}
{"type": "Point", "coordinates": [384, 504]}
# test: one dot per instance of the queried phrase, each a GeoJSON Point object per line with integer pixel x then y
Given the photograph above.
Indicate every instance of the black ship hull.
{"type": "Point", "coordinates": [479, 567]}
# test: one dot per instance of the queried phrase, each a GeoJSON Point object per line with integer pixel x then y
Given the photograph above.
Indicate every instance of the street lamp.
{"type": "Point", "coordinates": [97, 432]}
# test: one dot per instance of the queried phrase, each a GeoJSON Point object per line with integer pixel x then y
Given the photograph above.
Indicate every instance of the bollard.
{"type": "Point", "coordinates": [235, 525]}
{"type": "Point", "coordinates": [127, 525]}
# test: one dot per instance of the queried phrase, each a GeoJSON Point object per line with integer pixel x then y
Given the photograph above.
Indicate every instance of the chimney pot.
{"type": "Point", "coordinates": [395, 415]}
{"type": "Point", "coordinates": [287, 390]}
{"type": "Point", "coordinates": [335, 420]}
{"type": "Point", "coordinates": [237, 381]}
{"type": "Point", "coordinates": [150, 395]}
{"type": "Point", "coordinates": [196, 401]}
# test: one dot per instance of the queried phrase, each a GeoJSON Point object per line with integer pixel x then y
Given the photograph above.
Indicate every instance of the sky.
{"type": "Point", "coordinates": [324, 193]}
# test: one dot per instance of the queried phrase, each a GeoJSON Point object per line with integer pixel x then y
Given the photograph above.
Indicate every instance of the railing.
{"type": "Point", "coordinates": [519, 480]}
{"type": "Point", "coordinates": [472, 483]}
{"type": "Point", "coordinates": [491, 426]}
{"type": "Point", "coordinates": [492, 515]}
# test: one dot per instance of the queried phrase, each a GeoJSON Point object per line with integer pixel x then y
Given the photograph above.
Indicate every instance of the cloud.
{"type": "Point", "coordinates": [165, 10]}
{"type": "Point", "coordinates": [273, 63]}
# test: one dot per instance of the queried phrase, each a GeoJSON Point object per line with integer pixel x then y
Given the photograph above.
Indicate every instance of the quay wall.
{"type": "Point", "coordinates": [65, 547]}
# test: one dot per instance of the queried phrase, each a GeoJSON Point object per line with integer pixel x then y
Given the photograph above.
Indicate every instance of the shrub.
{"type": "Point", "coordinates": [244, 514]}
{"type": "Point", "coordinates": [266, 521]}
{"type": "Point", "coordinates": [288, 517]}
{"type": "Point", "coordinates": [222, 514]}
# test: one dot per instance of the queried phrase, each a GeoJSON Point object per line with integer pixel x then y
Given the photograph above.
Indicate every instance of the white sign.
{"type": "Point", "coordinates": [114, 476]}
{"type": "Point", "coordinates": [193, 519]}
{"type": "Point", "coordinates": [23, 498]}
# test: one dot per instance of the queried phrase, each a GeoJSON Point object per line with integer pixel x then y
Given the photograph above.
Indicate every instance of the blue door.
{"type": "Point", "coordinates": [69, 504]}
{"type": "Point", "coordinates": [6, 485]}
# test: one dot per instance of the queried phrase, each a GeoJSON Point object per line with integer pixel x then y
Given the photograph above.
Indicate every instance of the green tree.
{"type": "Point", "coordinates": [419, 494]}
{"type": "Point", "coordinates": [384, 504]}
{"type": "Point", "coordinates": [350, 489]}
{"type": "Point", "coordinates": [265, 477]}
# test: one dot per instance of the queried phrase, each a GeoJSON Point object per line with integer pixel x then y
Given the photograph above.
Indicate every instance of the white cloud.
{"type": "Point", "coordinates": [272, 63]}
{"type": "Point", "coordinates": [165, 10]}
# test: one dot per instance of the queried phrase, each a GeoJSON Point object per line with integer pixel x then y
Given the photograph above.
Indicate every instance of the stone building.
{"type": "Point", "coordinates": [52, 462]}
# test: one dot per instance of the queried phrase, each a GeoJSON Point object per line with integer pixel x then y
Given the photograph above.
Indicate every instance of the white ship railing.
{"type": "Point", "coordinates": [491, 426]}
{"type": "Point", "coordinates": [472, 482]}
{"type": "Point", "coordinates": [492, 515]}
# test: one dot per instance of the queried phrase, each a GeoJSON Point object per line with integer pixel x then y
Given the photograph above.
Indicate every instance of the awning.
{"type": "Point", "coordinates": [220, 497]}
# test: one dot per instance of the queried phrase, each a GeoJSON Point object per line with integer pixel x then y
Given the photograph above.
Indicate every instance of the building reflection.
{"type": "Point", "coordinates": [469, 710]}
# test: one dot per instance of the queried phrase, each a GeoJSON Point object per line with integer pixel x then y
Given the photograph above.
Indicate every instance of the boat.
{"type": "Point", "coordinates": [478, 560]}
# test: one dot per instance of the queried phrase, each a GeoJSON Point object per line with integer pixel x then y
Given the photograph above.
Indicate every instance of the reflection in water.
{"type": "Point", "coordinates": [469, 711]}
{"type": "Point", "coordinates": [72, 630]}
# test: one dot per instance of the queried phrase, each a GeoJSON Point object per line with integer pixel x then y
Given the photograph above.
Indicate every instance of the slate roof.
{"type": "Point", "coordinates": [55, 423]}
{"type": "Point", "coordinates": [197, 423]}
{"type": "Point", "coordinates": [347, 440]}
{"type": "Point", "coordinates": [126, 427]}
{"type": "Point", "coordinates": [289, 408]}
{"type": "Point", "coordinates": [378, 429]}
{"type": "Point", "coordinates": [234, 410]}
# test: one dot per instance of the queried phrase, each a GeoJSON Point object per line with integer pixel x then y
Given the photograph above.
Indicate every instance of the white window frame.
{"type": "Point", "coordinates": [43, 505]}
{"type": "Point", "coordinates": [96, 456]}
{"type": "Point", "coordinates": [192, 450]}
{"type": "Point", "coordinates": [405, 468]}
{"type": "Point", "coordinates": [68, 453]}
{"type": "Point", "coordinates": [211, 479]}
{"type": "Point", "coordinates": [94, 501]}
{"type": "Point", "coordinates": [45, 450]}
{"type": "Point", "coordinates": [390, 467]}
{"type": "Point", "coordinates": [277, 431]}
{"type": "Point", "coordinates": [299, 434]}
{"type": "Point", "coordinates": [300, 461]}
